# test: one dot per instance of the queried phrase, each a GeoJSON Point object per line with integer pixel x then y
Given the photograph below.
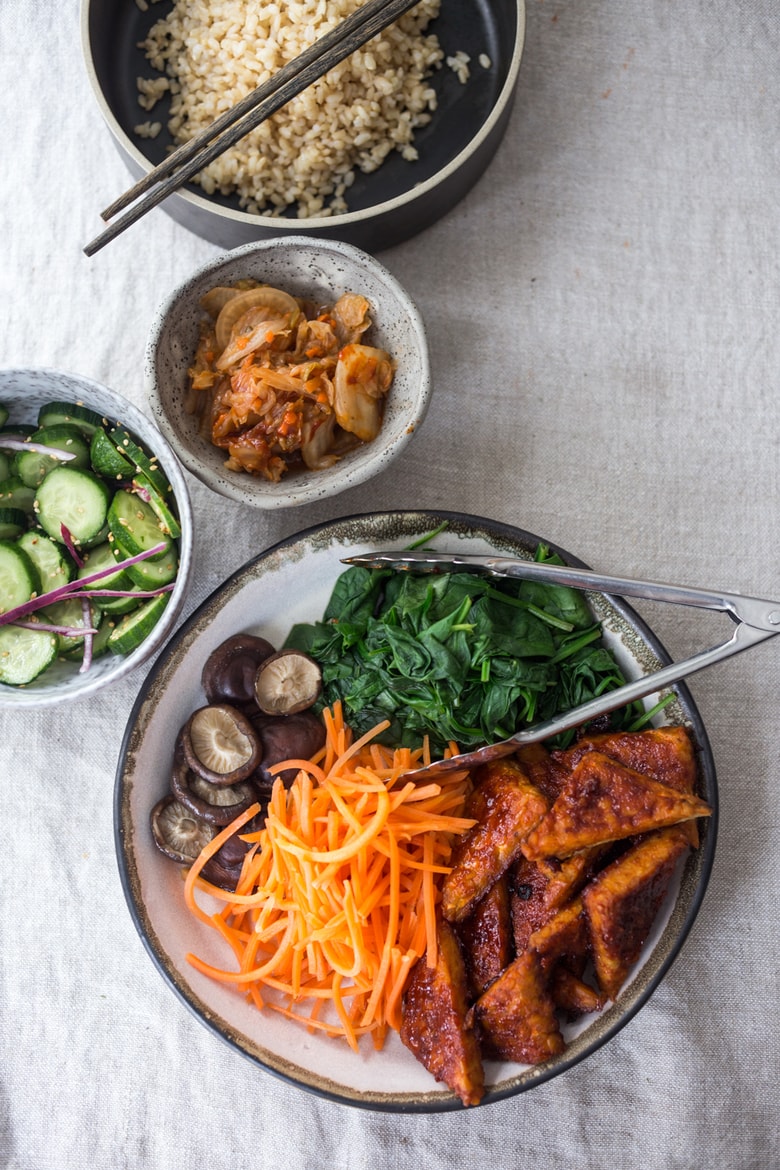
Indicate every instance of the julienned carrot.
{"type": "Point", "coordinates": [338, 892]}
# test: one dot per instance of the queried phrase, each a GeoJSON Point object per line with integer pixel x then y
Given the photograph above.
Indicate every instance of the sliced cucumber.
{"type": "Point", "coordinates": [155, 572]}
{"type": "Point", "coordinates": [73, 497]}
{"type": "Point", "coordinates": [117, 606]}
{"type": "Point", "coordinates": [169, 523]}
{"type": "Point", "coordinates": [135, 526]}
{"type": "Point", "coordinates": [97, 560]}
{"type": "Point", "coordinates": [54, 566]}
{"type": "Point", "coordinates": [135, 627]}
{"type": "Point", "coordinates": [18, 430]}
{"type": "Point", "coordinates": [107, 459]}
{"type": "Point", "coordinates": [19, 578]}
{"type": "Point", "coordinates": [131, 450]}
{"type": "Point", "coordinates": [13, 523]}
{"type": "Point", "coordinates": [33, 465]}
{"type": "Point", "coordinates": [103, 557]}
{"type": "Point", "coordinates": [24, 654]}
{"type": "Point", "coordinates": [6, 462]}
{"type": "Point", "coordinates": [15, 494]}
{"type": "Point", "coordinates": [70, 412]}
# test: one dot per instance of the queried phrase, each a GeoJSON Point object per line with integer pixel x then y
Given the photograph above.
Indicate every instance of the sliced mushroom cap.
{"type": "Point", "coordinates": [287, 682]}
{"type": "Point", "coordinates": [220, 744]}
{"type": "Point", "coordinates": [216, 804]}
{"type": "Point", "coordinates": [177, 832]}
{"type": "Point", "coordinates": [228, 674]}
{"type": "Point", "coordinates": [286, 737]}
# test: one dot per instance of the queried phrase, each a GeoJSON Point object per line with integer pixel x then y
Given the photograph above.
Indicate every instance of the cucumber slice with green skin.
{"type": "Point", "coordinates": [76, 498]}
{"type": "Point", "coordinates": [69, 613]}
{"type": "Point", "coordinates": [3, 414]}
{"type": "Point", "coordinates": [19, 578]}
{"type": "Point", "coordinates": [33, 466]}
{"type": "Point", "coordinates": [148, 464]}
{"type": "Point", "coordinates": [135, 627]}
{"type": "Point", "coordinates": [54, 566]}
{"type": "Point", "coordinates": [98, 559]}
{"type": "Point", "coordinates": [24, 654]}
{"type": "Point", "coordinates": [100, 537]}
{"type": "Point", "coordinates": [6, 463]}
{"type": "Point", "coordinates": [135, 526]}
{"type": "Point", "coordinates": [107, 460]}
{"type": "Point", "coordinates": [168, 522]}
{"type": "Point", "coordinates": [103, 557]}
{"type": "Point", "coordinates": [17, 430]}
{"type": "Point", "coordinates": [13, 522]}
{"type": "Point", "coordinates": [117, 606]}
{"type": "Point", "coordinates": [154, 573]}
{"type": "Point", "coordinates": [15, 494]}
{"type": "Point", "coordinates": [80, 416]}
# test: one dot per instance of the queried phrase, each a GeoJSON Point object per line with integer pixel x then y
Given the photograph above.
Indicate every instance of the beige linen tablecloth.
{"type": "Point", "coordinates": [603, 319]}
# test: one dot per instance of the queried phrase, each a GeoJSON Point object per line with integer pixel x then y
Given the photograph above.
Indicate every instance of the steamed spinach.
{"type": "Point", "coordinates": [455, 656]}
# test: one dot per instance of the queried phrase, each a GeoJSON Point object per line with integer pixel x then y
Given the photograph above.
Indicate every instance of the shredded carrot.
{"type": "Point", "coordinates": [338, 892]}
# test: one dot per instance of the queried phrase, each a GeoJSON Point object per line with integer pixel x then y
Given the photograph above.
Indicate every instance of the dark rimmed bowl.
{"type": "Point", "coordinates": [301, 570]}
{"type": "Point", "coordinates": [385, 207]}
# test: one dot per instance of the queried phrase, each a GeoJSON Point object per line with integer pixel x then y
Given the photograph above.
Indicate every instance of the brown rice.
{"type": "Point", "coordinates": [210, 53]}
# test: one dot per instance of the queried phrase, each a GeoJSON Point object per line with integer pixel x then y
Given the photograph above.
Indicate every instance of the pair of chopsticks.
{"type": "Point", "coordinates": [184, 162]}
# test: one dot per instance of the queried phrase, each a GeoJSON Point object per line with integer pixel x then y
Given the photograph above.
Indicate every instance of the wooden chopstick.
{"type": "Point", "coordinates": [326, 52]}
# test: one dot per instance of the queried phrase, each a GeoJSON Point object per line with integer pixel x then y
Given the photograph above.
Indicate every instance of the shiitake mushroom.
{"type": "Point", "coordinates": [229, 672]}
{"type": "Point", "coordinates": [177, 832]}
{"type": "Point", "coordinates": [287, 737]}
{"type": "Point", "coordinates": [224, 868]}
{"type": "Point", "coordinates": [287, 682]}
{"type": "Point", "coordinates": [181, 835]}
{"type": "Point", "coordinates": [220, 744]}
{"type": "Point", "coordinates": [217, 804]}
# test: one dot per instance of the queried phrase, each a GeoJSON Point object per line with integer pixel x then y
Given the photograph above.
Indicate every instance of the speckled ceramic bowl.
{"type": "Point", "coordinates": [321, 270]}
{"type": "Point", "coordinates": [385, 206]}
{"type": "Point", "coordinates": [302, 571]}
{"type": "Point", "coordinates": [24, 392]}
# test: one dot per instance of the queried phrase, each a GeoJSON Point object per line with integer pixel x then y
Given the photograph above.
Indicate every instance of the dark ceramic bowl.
{"type": "Point", "coordinates": [385, 207]}
{"type": "Point", "coordinates": [291, 583]}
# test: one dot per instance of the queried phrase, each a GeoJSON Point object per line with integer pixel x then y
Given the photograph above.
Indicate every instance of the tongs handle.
{"type": "Point", "coordinates": [757, 619]}
{"type": "Point", "coordinates": [756, 611]}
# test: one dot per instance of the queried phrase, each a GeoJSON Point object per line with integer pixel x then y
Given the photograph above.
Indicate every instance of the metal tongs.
{"type": "Point", "coordinates": [756, 620]}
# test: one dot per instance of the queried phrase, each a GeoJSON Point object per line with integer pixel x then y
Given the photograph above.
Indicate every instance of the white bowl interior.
{"type": "Point", "coordinates": [24, 392]}
{"type": "Point", "coordinates": [323, 271]}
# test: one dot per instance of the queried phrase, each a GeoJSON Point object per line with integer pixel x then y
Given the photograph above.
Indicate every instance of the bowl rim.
{"type": "Point", "coordinates": [311, 487]}
{"type": "Point", "coordinates": [332, 223]}
{"type": "Point", "coordinates": [130, 414]}
{"type": "Point", "coordinates": [437, 1100]}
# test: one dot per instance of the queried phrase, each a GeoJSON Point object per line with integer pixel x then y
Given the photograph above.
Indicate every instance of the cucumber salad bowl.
{"type": "Point", "coordinates": [95, 537]}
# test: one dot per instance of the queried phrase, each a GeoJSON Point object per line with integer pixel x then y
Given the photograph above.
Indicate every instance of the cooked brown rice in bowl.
{"type": "Point", "coordinates": [209, 54]}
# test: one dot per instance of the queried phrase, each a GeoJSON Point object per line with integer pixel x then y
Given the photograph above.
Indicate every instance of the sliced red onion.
{"type": "Point", "coordinates": [67, 540]}
{"type": "Point", "coordinates": [38, 448]}
{"type": "Point", "coordinates": [48, 628]}
{"type": "Point", "coordinates": [77, 588]}
{"type": "Point", "coordinates": [139, 593]}
{"type": "Point", "coordinates": [89, 636]}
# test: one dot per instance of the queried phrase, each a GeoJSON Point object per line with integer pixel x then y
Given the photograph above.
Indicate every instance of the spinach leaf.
{"type": "Point", "coordinates": [454, 656]}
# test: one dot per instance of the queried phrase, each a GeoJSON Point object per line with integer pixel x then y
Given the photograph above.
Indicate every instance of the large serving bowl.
{"type": "Point", "coordinates": [24, 392]}
{"type": "Point", "coordinates": [320, 270]}
{"type": "Point", "coordinates": [385, 206]}
{"type": "Point", "coordinates": [287, 584]}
